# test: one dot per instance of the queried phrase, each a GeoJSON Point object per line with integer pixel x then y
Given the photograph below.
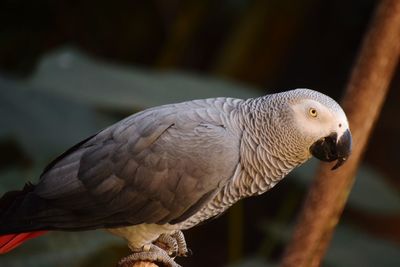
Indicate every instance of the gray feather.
{"type": "Point", "coordinates": [157, 166]}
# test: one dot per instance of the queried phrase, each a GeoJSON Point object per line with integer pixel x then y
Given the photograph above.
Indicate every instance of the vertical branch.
{"type": "Point", "coordinates": [362, 102]}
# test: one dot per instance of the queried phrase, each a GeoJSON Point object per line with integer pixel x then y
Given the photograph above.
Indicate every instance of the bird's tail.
{"type": "Point", "coordinates": [11, 241]}
{"type": "Point", "coordinates": [12, 235]}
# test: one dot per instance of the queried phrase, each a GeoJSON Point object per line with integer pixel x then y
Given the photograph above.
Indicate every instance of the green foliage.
{"type": "Point", "coordinates": [40, 122]}
{"type": "Point", "coordinates": [67, 250]}
{"type": "Point", "coordinates": [370, 183]}
{"type": "Point", "coordinates": [350, 247]}
{"type": "Point", "coordinates": [69, 73]}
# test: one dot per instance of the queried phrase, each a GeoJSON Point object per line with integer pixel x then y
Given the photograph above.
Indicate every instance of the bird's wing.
{"type": "Point", "coordinates": [159, 166]}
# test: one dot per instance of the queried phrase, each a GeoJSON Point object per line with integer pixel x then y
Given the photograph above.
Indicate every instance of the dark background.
{"type": "Point", "coordinates": [69, 68]}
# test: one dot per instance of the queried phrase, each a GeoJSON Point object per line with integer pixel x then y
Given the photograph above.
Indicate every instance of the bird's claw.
{"type": "Point", "coordinates": [174, 245]}
{"type": "Point", "coordinates": [162, 251]}
{"type": "Point", "coordinates": [168, 244]}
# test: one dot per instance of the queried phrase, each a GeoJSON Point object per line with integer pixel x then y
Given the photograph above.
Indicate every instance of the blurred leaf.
{"type": "Point", "coordinates": [42, 123]}
{"type": "Point", "coordinates": [370, 191]}
{"type": "Point", "coordinates": [11, 179]}
{"type": "Point", "coordinates": [72, 74]}
{"type": "Point", "coordinates": [64, 249]}
{"type": "Point", "coordinates": [352, 248]}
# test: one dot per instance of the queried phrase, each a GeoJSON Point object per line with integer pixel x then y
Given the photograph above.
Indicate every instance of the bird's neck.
{"type": "Point", "coordinates": [266, 155]}
{"type": "Point", "coordinates": [262, 167]}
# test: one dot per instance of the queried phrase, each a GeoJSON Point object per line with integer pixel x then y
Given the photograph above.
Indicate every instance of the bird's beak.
{"type": "Point", "coordinates": [332, 148]}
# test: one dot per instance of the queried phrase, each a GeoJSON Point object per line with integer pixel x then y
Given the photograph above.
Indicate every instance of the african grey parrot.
{"type": "Point", "coordinates": [168, 168]}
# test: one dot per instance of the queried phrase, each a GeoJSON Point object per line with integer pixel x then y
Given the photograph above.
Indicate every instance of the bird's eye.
{"type": "Point", "coordinates": [312, 112]}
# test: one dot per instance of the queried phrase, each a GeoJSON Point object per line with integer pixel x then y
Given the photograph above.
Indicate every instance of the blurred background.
{"type": "Point", "coordinates": [70, 68]}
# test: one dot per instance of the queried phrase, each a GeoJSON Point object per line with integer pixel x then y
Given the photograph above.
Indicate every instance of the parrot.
{"type": "Point", "coordinates": [168, 168]}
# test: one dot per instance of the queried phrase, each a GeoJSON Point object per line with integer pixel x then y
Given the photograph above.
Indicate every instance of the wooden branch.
{"type": "Point", "coordinates": [363, 100]}
{"type": "Point", "coordinates": [144, 264]}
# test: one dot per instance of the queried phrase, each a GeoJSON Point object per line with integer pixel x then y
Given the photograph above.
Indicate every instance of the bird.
{"type": "Point", "coordinates": [166, 169]}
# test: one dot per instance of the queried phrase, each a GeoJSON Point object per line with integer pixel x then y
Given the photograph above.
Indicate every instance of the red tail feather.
{"type": "Point", "coordinates": [9, 242]}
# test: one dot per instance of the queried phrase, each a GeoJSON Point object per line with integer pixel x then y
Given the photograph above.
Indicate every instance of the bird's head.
{"type": "Point", "coordinates": [323, 126]}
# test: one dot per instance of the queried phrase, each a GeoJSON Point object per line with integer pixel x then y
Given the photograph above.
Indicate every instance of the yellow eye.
{"type": "Point", "coordinates": [313, 112]}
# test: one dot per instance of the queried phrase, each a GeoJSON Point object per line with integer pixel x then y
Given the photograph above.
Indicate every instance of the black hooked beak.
{"type": "Point", "coordinates": [330, 149]}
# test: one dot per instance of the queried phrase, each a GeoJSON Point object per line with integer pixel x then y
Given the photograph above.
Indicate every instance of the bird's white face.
{"type": "Point", "coordinates": [317, 120]}
{"type": "Point", "coordinates": [325, 130]}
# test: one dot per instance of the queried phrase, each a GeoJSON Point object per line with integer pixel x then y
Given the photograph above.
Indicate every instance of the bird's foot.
{"type": "Point", "coordinates": [168, 244]}
{"type": "Point", "coordinates": [183, 250]}
{"type": "Point", "coordinates": [151, 253]}
{"type": "Point", "coordinates": [174, 245]}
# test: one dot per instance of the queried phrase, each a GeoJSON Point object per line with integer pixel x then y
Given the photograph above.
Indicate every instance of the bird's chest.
{"type": "Point", "coordinates": [139, 235]}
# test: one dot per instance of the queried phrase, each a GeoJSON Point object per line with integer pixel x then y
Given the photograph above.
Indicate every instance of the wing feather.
{"type": "Point", "coordinates": [158, 166]}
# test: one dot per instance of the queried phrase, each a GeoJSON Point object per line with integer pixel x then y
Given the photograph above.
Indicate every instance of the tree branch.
{"type": "Point", "coordinates": [362, 102]}
{"type": "Point", "coordinates": [144, 264]}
